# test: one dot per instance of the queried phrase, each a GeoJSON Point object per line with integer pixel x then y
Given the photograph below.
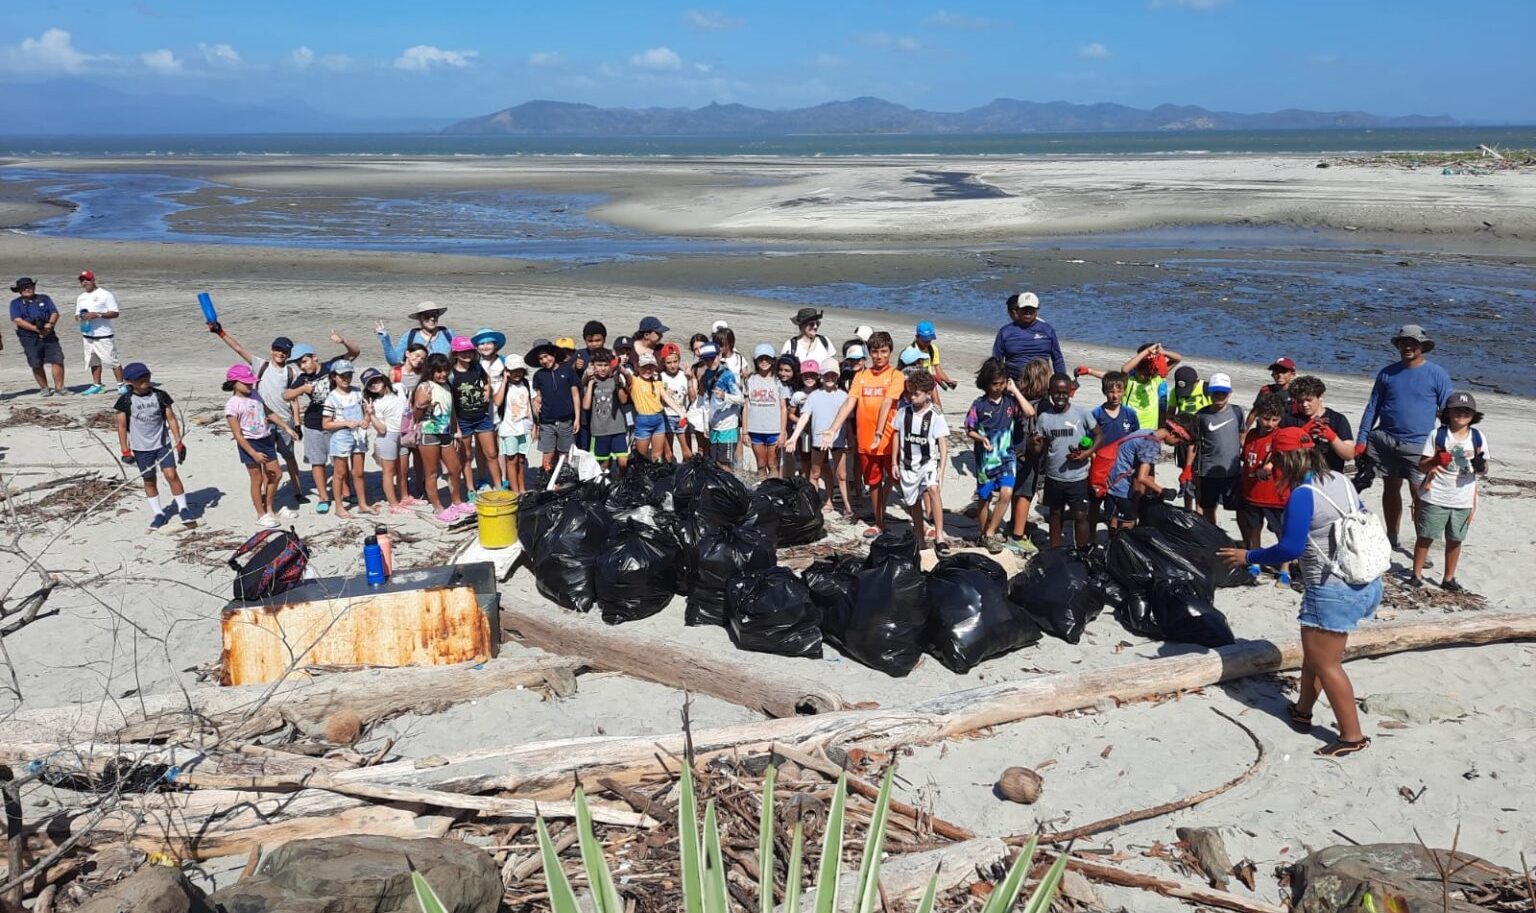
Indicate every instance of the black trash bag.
{"type": "Point", "coordinates": [635, 573]}
{"type": "Point", "coordinates": [883, 624]}
{"type": "Point", "coordinates": [893, 543]}
{"type": "Point", "coordinates": [696, 475]}
{"type": "Point", "coordinates": [564, 560]}
{"type": "Point", "coordinates": [1198, 540]}
{"type": "Point", "coordinates": [722, 505]}
{"type": "Point", "coordinates": [797, 507]}
{"type": "Point", "coordinates": [832, 582]}
{"type": "Point", "coordinates": [772, 612]}
{"type": "Point", "coordinates": [635, 489]}
{"type": "Point", "coordinates": [1058, 592]}
{"type": "Point", "coordinates": [1135, 615]}
{"type": "Point", "coordinates": [971, 618]}
{"type": "Point", "coordinates": [536, 513]}
{"type": "Point", "coordinates": [1139, 557]}
{"type": "Point", "coordinates": [723, 554]}
{"type": "Point", "coordinates": [1185, 616]}
{"type": "Point", "coordinates": [1173, 566]}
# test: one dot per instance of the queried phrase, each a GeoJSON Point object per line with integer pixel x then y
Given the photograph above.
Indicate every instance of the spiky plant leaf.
{"type": "Point", "coordinates": [868, 891]}
{"type": "Point", "coordinates": [426, 898]}
{"type": "Point", "coordinates": [765, 845]}
{"type": "Point", "coordinates": [1045, 891]}
{"type": "Point", "coordinates": [792, 879]}
{"type": "Point", "coordinates": [688, 840]}
{"type": "Point", "coordinates": [599, 878]}
{"type": "Point", "coordinates": [832, 850]}
{"type": "Point", "coordinates": [930, 895]}
{"type": "Point", "coordinates": [714, 864]}
{"type": "Point", "coordinates": [1004, 895]}
{"type": "Point", "coordinates": [561, 898]}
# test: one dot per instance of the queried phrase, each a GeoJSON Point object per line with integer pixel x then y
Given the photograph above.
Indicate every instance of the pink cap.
{"type": "Point", "coordinates": [241, 373]}
{"type": "Point", "coordinates": [810, 367]}
{"type": "Point", "coordinates": [462, 344]}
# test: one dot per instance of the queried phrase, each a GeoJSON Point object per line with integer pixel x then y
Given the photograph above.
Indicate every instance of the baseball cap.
{"type": "Point", "coordinates": [1024, 300]}
{"type": "Point", "coordinates": [856, 352]}
{"type": "Point", "coordinates": [831, 366]}
{"type": "Point", "coordinates": [87, 274]}
{"type": "Point", "coordinates": [1219, 383]}
{"type": "Point", "coordinates": [810, 367]}
{"type": "Point", "coordinates": [343, 366]}
{"type": "Point", "coordinates": [370, 375]}
{"type": "Point", "coordinates": [1185, 378]}
{"type": "Point", "coordinates": [648, 359]}
{"type": "Point", "coordinates": [911, 355]}
{"type": "Point", "coordinates": [461, 344]}
{"type": "Point", "coordinates": [653, 325]}
{"type": "Point", "coordinates": [239, 374]}
{"type": "Point", "coordinates": [1282, 364]}
{"type": "Point", "coordinates": [926, 332]}
{"type": "Point", "coordinates": [299, 351]}
{"type": "Point", "coordinates": [764, 350]}
{"type": "Point", "coordinates": [514, 362]}
{"type": "Point", "coordinates": [1461, 399]}
{"type": "Point", "coordinates": [1414, 332]}
{"type": "Point", "coordinates": [719, 325]}
{"type": "Point", "coordinates": [708, 350]}
{"type": "Point", "coordinates": [863, 332]}
{"type": "Point", "coordinates": [283, 344]}
{"type": "Point", "coordinates": [670, 349]}
{"type": "Point", "coordinates": [135, 370]}
{"type": "Point", "coordinates": [566, 343]}
{"type": "Point", "coordinates": [1289, 439]}
{"type": "Point", "coordinates": [623, 342]}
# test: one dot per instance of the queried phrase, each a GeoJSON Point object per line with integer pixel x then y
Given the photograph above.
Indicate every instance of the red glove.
{"type": "Point", "coordinates": [1359, 451]}
{"type": "Point", "coordinates": [1319, 430]}
{"type": "Point", "coordinates": [1188, 474]}
{"type": "Point", "coordinates": [128, 457]}
{"type": "Point", "coordinates": [1081, 370]}
{"type": "Point", "coordinates": [1443, 458]}
{"type": "Point", "coordinates": [181, 453]}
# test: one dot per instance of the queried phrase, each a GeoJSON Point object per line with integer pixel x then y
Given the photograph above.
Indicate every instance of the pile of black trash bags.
{"type": "Point", "coordinates": [694, 530]}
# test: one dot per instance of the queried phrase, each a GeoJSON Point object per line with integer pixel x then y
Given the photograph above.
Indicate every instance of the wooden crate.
{"type": "Point", "coordinates": [430, 616]}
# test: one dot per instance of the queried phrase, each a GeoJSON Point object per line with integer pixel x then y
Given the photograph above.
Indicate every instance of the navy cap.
{"type": "Point", "coordinates": [283, 344]}
{"type": "Point", "coordinates": [652, 325]}
{"type": "Point", "coordinates": [135, 370]}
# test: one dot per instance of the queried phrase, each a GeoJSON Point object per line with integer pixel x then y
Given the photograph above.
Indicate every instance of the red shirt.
{"type": "Point", "coordinates": [1256, 491]}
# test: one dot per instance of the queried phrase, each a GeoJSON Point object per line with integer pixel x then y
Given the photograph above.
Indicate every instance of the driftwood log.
{"type": "Point", "coordinates": [781, 693]}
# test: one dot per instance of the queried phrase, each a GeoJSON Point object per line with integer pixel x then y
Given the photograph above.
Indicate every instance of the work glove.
{"type": "Point", "coordinates": [181, 453]}
{"type": "Point", "coordinates": [1443, 458]}
{"type": "Point", "coordinates": [1359, 450]}
{"type": "Point", "coordinates": [127, 457]}
{"type": "Point", "coordinates": [215, 328]}
{"type": "Point", "coordinates": [1479, 464]}
{"type": "Point", "coordinates": [1081, 370]}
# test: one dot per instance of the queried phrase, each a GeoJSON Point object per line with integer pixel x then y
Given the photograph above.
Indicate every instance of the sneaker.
{"type": "Point", "coordinates": [1022, 545]}
{"type": "Point", "coordinates": [46, 391]}
{"type": "Point", "coordinates": [61, 391]}
{"type": "Point", "coordinates": [484, 486]}
{"type": "Point", "coordinates": [287, 513]}
{"type": "Point", "coordinates": [186, 521]}
{"type": "Point", "coordinates": [267, 521]}
{"type": "Point", "coordinates": [1451, 586]}
{"type": "Point", "coordinates": [1416, 583]}
{"type": "Point", "coordinates": [92, 390]}
{"type": "Point", "coordinates": [992, 544]}
{"type": "Point", "coordinates": [941, 549]}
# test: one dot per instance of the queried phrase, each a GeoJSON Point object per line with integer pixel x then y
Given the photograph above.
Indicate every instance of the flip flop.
{"type": "Point", "coordinates": [324, 507]}
{"type": "Point", "coordinates": [1342, 747]}
{"type": "Point", "coordinates": [1301, 722]}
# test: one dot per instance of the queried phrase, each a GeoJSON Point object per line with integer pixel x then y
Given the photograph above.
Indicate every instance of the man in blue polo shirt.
{"type": "Point", "coordinates": [1026, 337]}
{"type": "Point", "coordinates": [35, 317]}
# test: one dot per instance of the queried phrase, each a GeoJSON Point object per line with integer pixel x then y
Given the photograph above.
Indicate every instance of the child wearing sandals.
{"type": "Point", "coordinates": [819, 415]}
{"type": "Point", "coordinates": [1454, 456]}
{"type": "Point", "coordinates": [384, 409]}
{"type": "Point", "coordinates": [346, 416]}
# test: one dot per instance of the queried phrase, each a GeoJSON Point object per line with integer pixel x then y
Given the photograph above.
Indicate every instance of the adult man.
{"type": "Point", "coordinates": [1399, 416]}
{"type": "Point", "coordinates": [35, 317]}
{"type": "Point", "coordinates": [1026, 337]}
{"type": "Point", "coordinates": [274, 376]}
{"type": "Point", "coordinates": [95, 309]}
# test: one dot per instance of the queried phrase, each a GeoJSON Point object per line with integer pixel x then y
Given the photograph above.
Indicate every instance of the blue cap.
{"type": "Point", "coordinates": [764, 350]}
{"type": "Point", "coordinates": [911, 355]}
{"type": "Point", "coordinates": [300, 350]}
{"type": "Point", "coordinates": [135, 370]}
{"type": "Point", "coordinates": [926, 332]}
{"type": "Point", "coordinates": [708, 350]}
{"type": "Point", "coordinates": [652, 325]}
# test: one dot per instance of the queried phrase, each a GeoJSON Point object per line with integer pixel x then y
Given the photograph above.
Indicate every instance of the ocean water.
{"type": "Point", "coordinates": [1166, 142]}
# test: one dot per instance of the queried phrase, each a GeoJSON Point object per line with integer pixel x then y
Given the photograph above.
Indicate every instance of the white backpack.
{"type": "Point", "coordinates": [1361, 551]}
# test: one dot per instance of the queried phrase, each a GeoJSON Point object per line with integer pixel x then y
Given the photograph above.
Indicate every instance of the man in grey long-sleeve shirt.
{"type": "Point", "coordinates": [1026, 337]}
{"type": "Point", "coordinates": [1400, 414]}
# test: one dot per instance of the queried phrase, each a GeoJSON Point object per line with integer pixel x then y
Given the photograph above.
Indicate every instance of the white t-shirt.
{"type": "Point", "coordinates": [494, 367]}
{"type": "Point", "coordinates": [1454, 485]}
{"type": "Point", "coordinates": [388, 409]}
{"type": "Point", "coordinates": [818, 349]}
{"type": "Point", "coordinates": [102, 302]}
{"type": "Point", "coordinates": [517, 417]}
{"type": "Point", "coordinates": [677, 387]}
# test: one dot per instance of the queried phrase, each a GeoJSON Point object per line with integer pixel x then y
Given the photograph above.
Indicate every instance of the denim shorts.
{"type": "Point", "coordinates": [674, 424]}
{"type": "Point", "coordinates": [345, 442]}
{"type": "Point", "coordinates": [1338, 607]}
{"type": "Point", "coordinates": [649, 426]}
{"type": "Point", "coordinates": [484, 423]}
{"type": "Point", "coordinates": [760, 439]}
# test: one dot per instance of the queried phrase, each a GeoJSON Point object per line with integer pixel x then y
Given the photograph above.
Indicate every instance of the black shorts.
{"type": "Point", "coordinates": [1026, 476]}
{"type": "Point", "coordinates": [1120, 509]}
{"type": "Point", "coordinates": [1257, 518]}
{"type": "Point", "coordinates": [1075, 495]}
{"type": "Point", "coordinates": [41, 352]}
{"type": "Point", "coordinates": [1214, 491]}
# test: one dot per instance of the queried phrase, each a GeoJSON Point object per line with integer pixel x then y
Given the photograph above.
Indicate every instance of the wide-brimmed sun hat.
{"type": "Point", "coordinates": [805, 316]}
{"type": "Point", "coordinates": [1414, 333]}
{"type": "Point", "coordinates": [488, 335]}
{"type": "Point", "coordinates": [425, 310]}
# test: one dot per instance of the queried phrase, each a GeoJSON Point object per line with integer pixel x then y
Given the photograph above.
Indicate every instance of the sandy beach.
{"type": "Point", "coordinates": [1459, 723]}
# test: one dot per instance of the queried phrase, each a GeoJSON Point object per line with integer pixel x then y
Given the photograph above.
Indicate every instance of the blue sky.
{"type": "Point", "coordinates": [407, 57]}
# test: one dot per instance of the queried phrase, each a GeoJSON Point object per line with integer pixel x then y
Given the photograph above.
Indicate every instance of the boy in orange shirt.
{"type": "Point", "coordinates": [874, 393]}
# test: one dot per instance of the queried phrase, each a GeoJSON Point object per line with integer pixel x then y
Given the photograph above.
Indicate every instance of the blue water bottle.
{"type": "Point", "coordinates": [373, 561]}
{"type": "Point", "coordinates": [205, 301]}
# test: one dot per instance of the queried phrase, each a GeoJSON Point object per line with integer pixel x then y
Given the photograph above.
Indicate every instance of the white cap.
{"type": "Point", "coordinates": [719, 325]}
{"type": "Point", "coordinates": [514, 362]}
{"type": "Point", "coordinates": [856, 352]}
{"type": "Point", "coordinates": [1027, 300]}
{"type": "Point", "coordinates": [1218, 383]}
{"type": "Point", "coordinates": [647, 359]}
{"type": "Point", "coordinates": [864, 332]}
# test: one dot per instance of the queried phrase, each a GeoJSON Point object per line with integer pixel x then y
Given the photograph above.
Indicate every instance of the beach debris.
{"type": "Point", "coordinates": [343, 727]}
{"type": "Point", "coordinates": [1210, 853]}
{"type": "Point", "coordinates": [1409, 795]}
{"type": "Point", "coordinates": [152, 889]}
{"type": "Point", "coordinates": [1246, 872]}
{"type": "Point", "coordinates": [1334, 879]}
{"type": "Point", "coordinates": [39, 418]}
{"type": "Point", "coordinates": [1021, 785]}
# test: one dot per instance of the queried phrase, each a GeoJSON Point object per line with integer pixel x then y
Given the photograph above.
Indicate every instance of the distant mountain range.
{"type": "Point", "coordinates": [876, 115]}
{"type": "Point", "coordinates": [82, 107]}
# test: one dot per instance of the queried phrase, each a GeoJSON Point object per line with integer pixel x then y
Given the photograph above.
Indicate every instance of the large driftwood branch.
{"type": "Point", "coordinates": [1168, 887]}
{"type": "Point", "coordinates": [779, 693]}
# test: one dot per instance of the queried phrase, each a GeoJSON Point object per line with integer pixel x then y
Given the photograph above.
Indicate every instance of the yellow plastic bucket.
{"type": "Point", "coordinates": [496, 518]}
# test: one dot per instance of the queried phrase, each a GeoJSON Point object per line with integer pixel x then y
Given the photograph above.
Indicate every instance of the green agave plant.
{"type": "Point", "coordinates": [703, 880]}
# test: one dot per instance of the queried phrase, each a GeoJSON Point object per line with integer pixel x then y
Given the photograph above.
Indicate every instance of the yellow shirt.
{"type": "Point", "coordinates": [645, 395]}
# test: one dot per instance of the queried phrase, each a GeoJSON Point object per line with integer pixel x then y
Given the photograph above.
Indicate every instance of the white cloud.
{"type": "Point", "coordinates": [952, 20]}
{"type": "Point", "coordinates": [162, 61]}
{"type": "Point", "coordinates": [53, 51]}
{"type": "Point", "coordinates": [702, 67]}
{"type": "Point", "coordinates": [220, 55]}
{"type": "Point", "coordinates": [545, 59]}
{"type": "Point", "coordinates": [828, 60]}
{"type": "Point", "coordinates": [1093, 51]}
{"type": "Point", "coordinates": [424, 57]}
{"type": "Point", "coordinates": [302, 57]}
{"type": "Point", "coordinates": [887, 41]}
{"type": "Point", "coordinates": [657, 59]}
{"type": "Point", "coordinates": [711, 21]}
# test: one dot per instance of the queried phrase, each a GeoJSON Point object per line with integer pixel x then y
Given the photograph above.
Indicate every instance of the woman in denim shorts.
{"type": "Point", "coordinates": [1330, 607]}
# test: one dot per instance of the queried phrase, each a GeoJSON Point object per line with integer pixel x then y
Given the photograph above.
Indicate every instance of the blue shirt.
{"type": "Point", "coordinates": [995, 422]}
{"type": "Point", "coordinates": [1017, 346]}
{"type": "Point", "coordinates": [441, 343]}
{"type": "Point", "coordinates": [553, 387]}
{"type": "Point", "coordinates": [1406, 401]}
{"type": "Point", "coordinates": [35, 311]}
{"type": "Point", "coordinates": [1117, 427]}
{"type": "Point", "coordinates": [1136, 449]}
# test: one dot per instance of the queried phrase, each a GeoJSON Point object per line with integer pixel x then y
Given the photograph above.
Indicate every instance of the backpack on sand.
{"type": "Point", "coordinates": [1361, 551]}
{"type": "Point", "coordinates": [275, 560]}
